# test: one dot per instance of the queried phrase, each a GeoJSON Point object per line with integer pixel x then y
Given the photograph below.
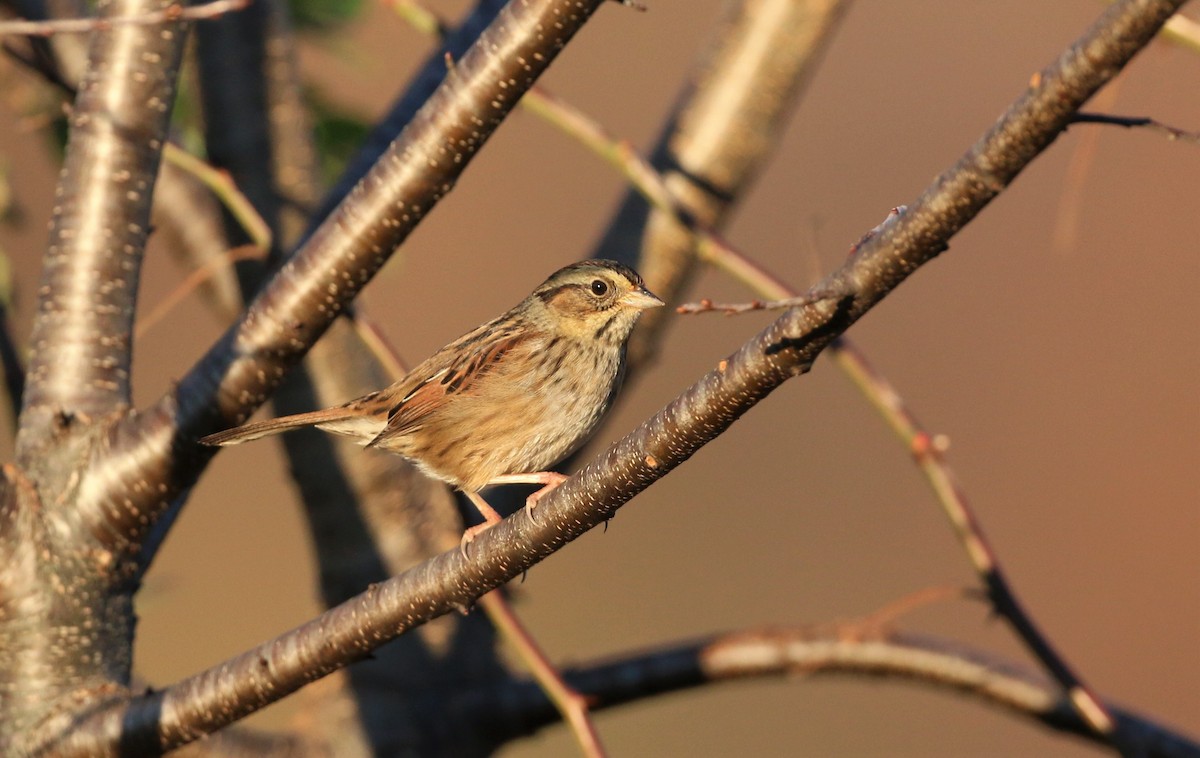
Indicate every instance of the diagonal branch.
{"type": "Point", "coordinates": [82, 332]}
{"type": "Point", "coordinates": [651, 184]}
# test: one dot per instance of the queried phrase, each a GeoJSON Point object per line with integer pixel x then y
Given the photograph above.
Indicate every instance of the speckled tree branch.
{"type": "Point", "coordinates": [79, 368]}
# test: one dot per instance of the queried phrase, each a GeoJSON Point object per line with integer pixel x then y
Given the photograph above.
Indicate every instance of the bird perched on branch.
{"type": "Point", "coordinates": [507, 400]}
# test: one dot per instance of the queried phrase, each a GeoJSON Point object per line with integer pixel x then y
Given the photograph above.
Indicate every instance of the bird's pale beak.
{"type": "Point", "coordinates": [641, 298]}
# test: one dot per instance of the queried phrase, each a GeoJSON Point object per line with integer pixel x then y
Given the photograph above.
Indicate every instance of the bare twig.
{"type": "Point", "coordinates": [728, 117]}
{"type": "Point", "coordinates": [195, 221]}
{"type": "Point", "coordinates": [172, 13]}
{"type": "Point", "coordinates": [646, 180]}
{"type": "Point", "coordinates": [730, 309]}
{"type": "Point", "coordinates": [227, 191]}
{"type": "Point", "coordinates": [1131, 122]}
{"type": "Point", "coordinates": [570, 704]}
{"type": "Point", "coordinates": [1079, 165]}
{"type": "Point", "coordinates": [189, 284]}
{"type": "Point", "coordinates": [376, 342]}
{"type": "Point", "coordinates": [932, 462]}
{"type": "Point", "coordinates": [883, 619]}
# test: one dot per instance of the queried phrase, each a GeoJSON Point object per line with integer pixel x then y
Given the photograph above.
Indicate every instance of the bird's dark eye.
{"type": "Point", "coordinates": [599, 287]}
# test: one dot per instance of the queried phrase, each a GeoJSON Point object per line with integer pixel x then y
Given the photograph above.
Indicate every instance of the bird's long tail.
{"type": "Point", "coordinates": [257, 429]}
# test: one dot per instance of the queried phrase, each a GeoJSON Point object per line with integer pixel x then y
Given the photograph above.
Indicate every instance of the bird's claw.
{"type": "Point", "coordinates": [553, 479]}
{"type": "Point", "coordinates": [469, 536]}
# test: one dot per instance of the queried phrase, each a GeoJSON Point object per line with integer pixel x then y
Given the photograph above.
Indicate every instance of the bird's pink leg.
{"type": "Point", "coordinates": [490, 519]}
{"type": "Point", "coordinates": [548, 479]}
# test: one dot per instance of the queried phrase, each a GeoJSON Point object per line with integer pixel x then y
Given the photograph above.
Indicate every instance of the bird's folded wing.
{"type": "Point", "coordinates": [462, 377]}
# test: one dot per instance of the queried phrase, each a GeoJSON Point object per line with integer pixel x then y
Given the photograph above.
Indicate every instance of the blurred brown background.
{"type": "Point", "coordinates": [1056, 343]}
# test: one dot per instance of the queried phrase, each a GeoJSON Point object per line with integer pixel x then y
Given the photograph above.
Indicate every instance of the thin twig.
{"type": "Point", "coordinates": [242, 210]}
{"type": "Point", "coordinates": [176, 12]}
{"type": "Point", "coordinates": [571, 704]}
{"type": "Point", "coordinates": [730, 309]}
{"type": "Point", "coordinates": [193, 280]}
{"type": "Point", "coordinates": [886, 617]}
{"type": "Point", "coordinates": [227, 191]}
{"type": "Point", "coordinates": [376, 342]}
{"type": "Point", "coordinates": [764, 282]}
{"type": "Point", "coordinates": [1067, 220]}
{"type": "Point", "coordinates": [929, 457]}
{"type": "Point", "coordinates": [1131, 122]}
{"type": "Point", "coordinates": [645, 179]}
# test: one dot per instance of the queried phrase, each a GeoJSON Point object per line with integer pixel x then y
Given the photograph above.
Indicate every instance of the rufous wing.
{"type": "Point", "coordinates": [462, 377]}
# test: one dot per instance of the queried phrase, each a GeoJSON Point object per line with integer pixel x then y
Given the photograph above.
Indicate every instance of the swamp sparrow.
{"type": "Point", "coordinates": [505, 401]}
